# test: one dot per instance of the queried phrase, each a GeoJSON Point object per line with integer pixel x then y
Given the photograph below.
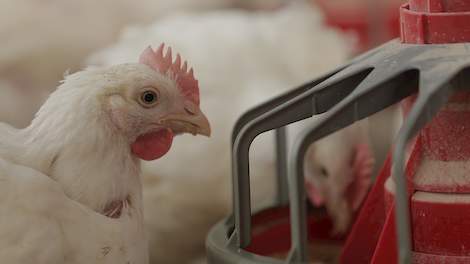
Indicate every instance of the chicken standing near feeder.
{"type": "Point", "coordinates": [340, 180]}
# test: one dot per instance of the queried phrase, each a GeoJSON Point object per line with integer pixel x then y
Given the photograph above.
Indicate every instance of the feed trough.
{"type": "Point", "coordinates": [423, 188]}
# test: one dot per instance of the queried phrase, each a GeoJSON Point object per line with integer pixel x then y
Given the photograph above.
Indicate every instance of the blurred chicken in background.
{"type": "Point", "coordinates": [42, 39]}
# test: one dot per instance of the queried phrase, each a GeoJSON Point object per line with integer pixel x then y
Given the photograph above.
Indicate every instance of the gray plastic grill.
{"type": "Point", "coordinates": [368, 84]}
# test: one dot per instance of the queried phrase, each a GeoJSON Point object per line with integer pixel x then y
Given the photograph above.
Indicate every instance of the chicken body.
{"type": "Point", "coordinates": [89, 166]}
{"type": "Point", "coordinates": [41, 224]}
{"type": "Point", "coordinates": [242, 58]}
{"type": "Point", "coordinates": [71, 180]}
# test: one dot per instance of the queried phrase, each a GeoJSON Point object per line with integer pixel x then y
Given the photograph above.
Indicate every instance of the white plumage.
{"type": "Point", "coordinates": [40, 224]}
{"type": "Point", "coordinates": [242, 58]}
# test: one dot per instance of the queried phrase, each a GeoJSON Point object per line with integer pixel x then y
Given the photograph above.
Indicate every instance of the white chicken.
{"type": "Point", "coordinates": [242, 58]}
{"type": "Point", "coordinates": [71, 189]}
{"type": "Point", "coordinates": [340, 169]}
{"type": "Point", "coordinates": [338, 173]}
{"type": "Point", "coordinates": [42, 39]}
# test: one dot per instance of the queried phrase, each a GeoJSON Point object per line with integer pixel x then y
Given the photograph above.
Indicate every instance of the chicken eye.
{"type": "Point", "coordinates": [323, 172]}
{"type": "Point", "coordinates": [148, 98]}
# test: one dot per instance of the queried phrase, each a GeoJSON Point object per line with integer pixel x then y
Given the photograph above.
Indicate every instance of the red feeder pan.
{"type": "Point", "coordinates": [271, 235]}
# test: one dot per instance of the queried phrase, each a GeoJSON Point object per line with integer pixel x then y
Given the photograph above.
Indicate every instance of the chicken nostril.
{"type": "Point", "coordinates": [189, 111]}
{"type": "Point", "coordinates": [191, 108]}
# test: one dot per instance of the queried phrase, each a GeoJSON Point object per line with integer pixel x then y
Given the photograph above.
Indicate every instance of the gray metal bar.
{"type": "Point", "coordinates": [299, 110]}
{"type": "Point", "coordinates": [430, 100]}
{"type": "Point", "coordinates": [265, 107]}
{"type": "Point", "coordinates": [298, 209]}
{"type": "Point", "coordinates": [281, 166]}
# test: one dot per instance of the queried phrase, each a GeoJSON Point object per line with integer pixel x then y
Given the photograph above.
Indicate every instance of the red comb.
{"type": "Point", "coordinates": [164, 64]}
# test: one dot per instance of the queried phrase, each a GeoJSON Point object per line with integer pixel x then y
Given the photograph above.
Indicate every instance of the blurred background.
{"type": "Point", "coordinates": [243, 52]}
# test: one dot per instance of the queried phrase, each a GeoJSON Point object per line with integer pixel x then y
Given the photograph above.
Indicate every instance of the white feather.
{"type": "Point", "coordinates": [40, 224]}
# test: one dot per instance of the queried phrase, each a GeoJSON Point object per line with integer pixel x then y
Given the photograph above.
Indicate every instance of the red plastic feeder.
{"type": "Point", "coordinates": [418, 210]}
{"type": "Point", "coordinates": [438, 169]}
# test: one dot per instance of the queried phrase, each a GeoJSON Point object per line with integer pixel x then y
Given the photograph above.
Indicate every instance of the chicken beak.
{"type": "Point", "coordinates": [191, 120]}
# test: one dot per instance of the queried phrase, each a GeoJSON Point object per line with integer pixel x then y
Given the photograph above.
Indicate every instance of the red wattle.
{"type": "Point", "coordinates": [153, 145]}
